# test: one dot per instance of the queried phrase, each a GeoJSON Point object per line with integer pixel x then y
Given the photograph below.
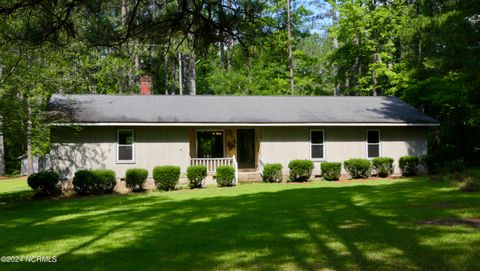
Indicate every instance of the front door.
{"type": "Point", "coordinates": [246, 148]}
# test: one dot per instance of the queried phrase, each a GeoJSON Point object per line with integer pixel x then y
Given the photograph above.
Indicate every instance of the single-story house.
{"type": "Point", "coordinates": [120, 132]}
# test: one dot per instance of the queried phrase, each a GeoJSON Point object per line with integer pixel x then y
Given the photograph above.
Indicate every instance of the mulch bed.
{"type": "Point", "coordinates": [472, 222]}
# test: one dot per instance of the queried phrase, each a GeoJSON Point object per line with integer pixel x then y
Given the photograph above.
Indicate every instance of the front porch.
{"type": "Point", "coordinates": [237, 147]}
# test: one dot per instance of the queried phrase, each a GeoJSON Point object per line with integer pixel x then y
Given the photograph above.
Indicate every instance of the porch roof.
{"type": "Point", "coordinates": [233, 110]}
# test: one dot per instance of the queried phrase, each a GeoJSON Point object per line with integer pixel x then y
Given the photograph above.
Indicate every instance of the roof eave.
{"type": "Point", "coordinates": [210, 124]}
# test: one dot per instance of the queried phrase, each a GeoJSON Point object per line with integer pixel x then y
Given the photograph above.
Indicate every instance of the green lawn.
{"type": "Point", "coordinates": [364, 225]}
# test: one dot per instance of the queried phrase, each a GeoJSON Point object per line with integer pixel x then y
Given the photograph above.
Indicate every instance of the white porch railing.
{"type": "Point", "coordinates": [213, 163]}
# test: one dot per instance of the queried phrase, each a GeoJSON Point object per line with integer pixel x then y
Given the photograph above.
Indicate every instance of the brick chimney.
{"type": "Point", "coordinates": [145, 85]}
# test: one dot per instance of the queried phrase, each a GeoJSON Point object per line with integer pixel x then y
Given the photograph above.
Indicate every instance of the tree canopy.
{"type": "Point", "coordinates": [425, 52]}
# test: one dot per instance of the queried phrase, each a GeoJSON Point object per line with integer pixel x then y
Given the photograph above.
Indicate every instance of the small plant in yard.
{"type": "Point", "coordinates": [45, 183]}
{"type": "Point", "coordinates": [383, 166]}
{"type": "Point", "coordinates": [358, 168]}
{"type": "Point", "coordinates": [99, 181]}
{"type": "Point", "coordinates": [195, 175]}
{"type": "Point", "coordinates": [331, 170]}
{"type": "Point", "coordinates": [135, 178]}
{"type": "Point", "coordinates": [300, 170]}
{"type": "Point", "coordinates": [225, 175]}
{"type": "Point", "coordinates": [166, 177]}
{"type": "Point", "coordinates": [272, 173]}
{"type": "Point", "coordinates": [409, 165]}
{"type": "Point", "coordinates": [470, 184]}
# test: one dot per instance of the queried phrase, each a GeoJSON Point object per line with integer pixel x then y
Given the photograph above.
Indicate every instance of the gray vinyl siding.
{"type": "Point", "coordinates": [96, 147]}
{"type": "Point", "coordinates": [283, 144]}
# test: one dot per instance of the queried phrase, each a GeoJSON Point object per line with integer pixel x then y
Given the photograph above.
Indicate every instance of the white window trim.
{"type": "Point", "coordinates": [209, 130]}
{"type": "Point", "coordinates": [323, 144]}
{"type": "Point", "coordinates": [133, 147]}
{"type": "Point", "coordinates": [379, 143]}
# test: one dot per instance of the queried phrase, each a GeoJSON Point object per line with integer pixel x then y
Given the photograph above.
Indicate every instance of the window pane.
{"type": "Point", "coordinates": [373, 150]}
{"type": "Point", "coordinates": [210, 144]}
{"type": "Point", "coordinates": [317, 137]}
{"type": "Point", "coordinates": [125, 153]}
{"type": "Point", "coordinates": [317, 151]}
{"type": "Point", "coordinates": [373, 137]}
{"type": "Point", "coordinates": [125, 137]}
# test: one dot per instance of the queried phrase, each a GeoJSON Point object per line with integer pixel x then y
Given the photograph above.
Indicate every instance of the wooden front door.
{"type": "Point", "coordinates": [246, 148]}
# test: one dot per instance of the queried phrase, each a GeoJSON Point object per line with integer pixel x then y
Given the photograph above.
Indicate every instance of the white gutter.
{"type": "Point", "coordinates": [213, 124]}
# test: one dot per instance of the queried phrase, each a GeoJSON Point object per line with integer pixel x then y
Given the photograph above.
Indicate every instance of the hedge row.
{"type": "Point", "coordinates": [102, 181]}
{"type": "Point", "coordinates": [301, 170]}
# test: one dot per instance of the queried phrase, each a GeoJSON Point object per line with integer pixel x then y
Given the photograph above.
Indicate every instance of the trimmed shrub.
{"type": "Point", "coordinates": [358, 168]}
{"type": "Point", "coordinates": [166, 177]}
{"type": "Point", "coordinates": [45, 183]}
{"type": "Point", "coordinates": [105, 180]}
{"type": "Point", "coordinates": [135, 178]}
{"type": "Point", "coordinates": [331, 170]}
{"type": "Point", "coordinates": [300, 170]}
{"type": "Point", "coordinates": [470, 184]}
{"type": "Point", "coordinates": [409, 165]}
{"type": "Point", "coordinates": [84, 182]}
{"type": "Point", "coordinates": [431, 163]}
{"type": "Point", "coordinates": [272, 173]}
{"type": "Point", "coordinates": [195, 175]}
{"type": "Point", "coordinates": [225, 175]}
{"type": "Point", "coordinates": [383, 166]}
{"type": "Point", "coordinates": [99, 181]}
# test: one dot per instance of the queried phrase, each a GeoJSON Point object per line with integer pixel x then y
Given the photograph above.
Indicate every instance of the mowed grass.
{"type": "Point", "coordinates": [362, 225]}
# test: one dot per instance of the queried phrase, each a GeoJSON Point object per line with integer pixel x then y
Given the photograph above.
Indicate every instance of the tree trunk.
{"type": "Point", "coordinates": [336, 88]}
{"type": "Point", "coordinates": [2, 149]}
{"type": "Point", "coordinates": [29, 138]}
{"type": "Point", "coordinates": [2, 145]}
{"type": "Point", "coordinates": [173, 75]}
{"type": "Point", "coordinates": [357, 68]}
{"type": "Point", "coordinates": [374, 76]}
{"type": "Point", "coordinates": [166, 73]}
{"type": "Point", "coordinates": [180, 74]}
{"type": "Point", "coordinates": [191, 74]}
{"type": "Point", "coordinates": [347, 83]}
{"type": "Point", "coordinates": [123, 11]}
{"type": "Point", "coordinates": [290, 53]}
{"type": "Point", "coordinates": [229, 41]}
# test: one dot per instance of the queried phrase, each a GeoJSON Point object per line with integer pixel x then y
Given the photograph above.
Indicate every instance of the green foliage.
{"type": "Point", "coordinates": [358, 168]}
{"type": "Point", "coordinates": [272, 173]}
{"type": "Point", "coordinates": [455, 166]}
{"type": "Point", "coordinates": [300, 170]}
{"type": "Point", "coordinates": [470, 184]}
{"type": "Point", "coordinates": [195, 175]}
{"type": "Point", "coordinates": [45, 183]}
{"type": "Point", "coordinates": [166, 177]}
{"type": "Point", "coordinates": [135, 178]}
{"type": "Point", "coordinates": [409, 165]}
{"type": "Point", "coordinates": [225, 175]}
{"type": "Point", "coordinates": [383, 166]}
{"type": "Point", "coordinates": [91, 182]}
{"type": "Point", "coordinates": [331, 170]}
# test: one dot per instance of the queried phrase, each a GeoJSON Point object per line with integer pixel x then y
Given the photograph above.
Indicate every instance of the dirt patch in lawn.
{"type": "Point", "coordinates": [472, 222]}
{"type": "Point", "coordinates": [4, 178]}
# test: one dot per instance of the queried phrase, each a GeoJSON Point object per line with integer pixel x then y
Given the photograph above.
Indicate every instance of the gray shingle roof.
{"type": "Point", "coordinates": [233, 109]}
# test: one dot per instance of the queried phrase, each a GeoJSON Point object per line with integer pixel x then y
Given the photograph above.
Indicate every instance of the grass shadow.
{"type": "Point", "coordinates": [259, 226]}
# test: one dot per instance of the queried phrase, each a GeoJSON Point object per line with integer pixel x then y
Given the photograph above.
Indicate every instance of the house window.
{"type": "Point", "coordinates": [125, 146]}
{"type": "Point", "coordinates": [210, 144]}
{"type": "Point", "coordinates": [373, 143]}
{"type": "Point", "coordinates": [317, 148]}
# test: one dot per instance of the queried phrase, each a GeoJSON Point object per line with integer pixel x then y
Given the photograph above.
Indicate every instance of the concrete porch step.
{"type": "Point", "coordinates": [249, 177]}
